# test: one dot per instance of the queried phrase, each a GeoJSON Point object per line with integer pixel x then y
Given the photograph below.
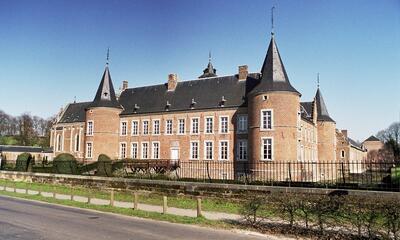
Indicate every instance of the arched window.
{"type": "Point", "coordinates": [59, 143]}
{"type": "Point", "coordinates": [77, 143]}
{"type": "Point", "coordinates": [342, 154]}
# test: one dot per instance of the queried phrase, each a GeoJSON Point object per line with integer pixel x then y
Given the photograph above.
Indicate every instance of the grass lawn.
{"type": "Point", "coordinates": [186, 202]}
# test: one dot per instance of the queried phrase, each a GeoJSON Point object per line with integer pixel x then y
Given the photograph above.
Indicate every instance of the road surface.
{"type": "Point", "coordinates": [28, 220]}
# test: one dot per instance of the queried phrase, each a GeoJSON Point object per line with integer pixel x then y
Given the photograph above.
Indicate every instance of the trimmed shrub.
{"type": "Point", "coordinates": [3, 161]}
{"type": "Point", "coordinates": [104, 166]}
{"type": "Point", "coordinates": [24, 161]}
{"type": "Point", "coordinates": [251, 209]}
{"type": "Point", "coordinates": [65, 163]}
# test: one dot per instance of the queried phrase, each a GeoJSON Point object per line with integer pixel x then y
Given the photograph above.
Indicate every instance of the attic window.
{"type": "Point", "coordinates": [222, 103]}
{"type": "Point", "coordinates": [136, 107]}
{"type": "Point", "coordinates": [105, 94]}
{"type": "Point", "coordinates": [192, 103]}
{"type": "Point", "coordinates": [265, 97]}
{"type": "Point", "coordinates": [167, 105]}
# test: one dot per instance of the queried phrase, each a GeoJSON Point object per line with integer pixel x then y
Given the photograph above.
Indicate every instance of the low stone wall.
{"type": "Point", "coordinates": [234, 191]}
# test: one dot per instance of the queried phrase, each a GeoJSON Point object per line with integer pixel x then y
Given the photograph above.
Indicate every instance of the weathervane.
{"type": "Point", "coordinates": [209, 56]}
{"type": "Point", "coordinates": [317, 80]}
{"type": "Point", "coordinates": [272, 20]}
{"type": "Point", "coordinates": [108, 55]}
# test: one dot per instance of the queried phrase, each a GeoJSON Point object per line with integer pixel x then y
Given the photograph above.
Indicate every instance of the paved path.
{"type": "Point", "coordinates": [30, 220]}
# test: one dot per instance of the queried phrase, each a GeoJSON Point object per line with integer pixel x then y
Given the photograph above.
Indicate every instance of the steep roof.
{"type": "Point", "coordinates": [274, 76]}
{"type": "Point", "coordinates": [206, 93]}
{"type": "Point", "coordinates": [354, 143]}
{"type": "Point", "coordinates": [105, 95]}
{"type": "Point", "coordinates": [372, 138]}
{"type": "Point", "coordinates": [209, 71]}
{"type": "Point", "coordinates": [307, 110]}
{"type": "Point", "coordinates": [322, 110]}
{"type": "Point", "coordinates": [75, 112]}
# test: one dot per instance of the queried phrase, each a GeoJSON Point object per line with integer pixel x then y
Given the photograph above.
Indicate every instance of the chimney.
{"type": "Point", "coordinates": [344, 132]}
{"type": "Point", "coordinates": [243, 72]}
{"type": "Point", "coordinates": [124, 85]}
{"type": "Point", "coordinates": [172, 81]}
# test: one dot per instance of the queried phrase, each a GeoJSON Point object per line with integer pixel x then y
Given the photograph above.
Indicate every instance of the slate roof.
{"type": "Point", "coordinates": [354, 143]}
{"type": "Point", "coordinates": [75, 112]}
{"type": "Point", "coordinates": [307, 110]}
{"type": "Point", "coordinates": [322, 110]}
{"type": "Point", "coordinates": [10, 148]}
{"type": "Point", "coordinates": [372, 139]}
{"type": "Point", "coordinates": [105, 96]}
{"type": "Point", "coordinates": [274, 76]}
{"type": "Point", "coordinates": [204, 93]}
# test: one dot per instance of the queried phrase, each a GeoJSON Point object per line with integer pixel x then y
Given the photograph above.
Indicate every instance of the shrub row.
{"type": "Point", "coordinates": [327, 216]}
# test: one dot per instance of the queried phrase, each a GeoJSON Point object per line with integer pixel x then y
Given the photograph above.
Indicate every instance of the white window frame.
{"type": "Point", "coordinates": [262, 149]}
{"type": "Point", "coordinates": [180, 120]}
{"type": "Point", "coordinates": [122, 128]}
{"type": "Point", "coordinates": [239, 158]}
{"type": "Point", "coordinates": [220, 124]}
{"type": "Point", "coordinates": [90, 156]}
{"type": "Point", "coordinates": [239, 123]}
{"type": "Point", "coordinates": [205, 150]}
{"type": "Point", "coordinates": [262, 121]}
{"type": "Point", "coordinates": [167, 125]}
{"type": "Point", "coordinates": [135, 123]}
{"type": "Point", "coordinates": [120, 150]}
{"type": "Point", "coordinates": [191, 126]}
{"type": "Point", "coordinates": [206, 129]}
{"type": "Point", "coordinates": [154, 127]}
{"type": "Point", "coordinates": [220, 150]}
{"type": "Point", "coordinates": [191, 150]}
{"type": "Point", "coordinates": [137, 150]}
{"type": "Point", "coordinates": [59, 141]}
{"type": "Point", "coordinates": [148, 127]}
{"type": "Point", "coordinates": [153, 152]}
{"type": "Point", "coordinates": [142, 152]}
{"type": "Point", "coordinates": [90, 128]}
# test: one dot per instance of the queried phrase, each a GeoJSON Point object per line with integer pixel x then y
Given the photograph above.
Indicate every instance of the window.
{"type": "Point", "coordinates": [195, 126]}
{"type": "Point", "coordinates": [89, 130]}
{"type": "Point", "coordinates": [59, 143]}
{"type": "Point", "coordinates": [223, 150]}
{"type": "Point", "coordinates": [168, 127]}
{"type": "Point", "coordinates": [156, 127]}
{"type": "Point", "coordinates": [209, 125]}
{"type": "Point", "coordinates": [89, 150]}
{"type": "Point", "coordinates": [134, 151]}
{"type": "Point", "coordinates": [208, 150]}
{"type": "Point", "coordinates": [123, 128]}
{"type": "Point", "coordinates": [266, 149]}
{"type": "Point", "coordinates": [181, 127]}
{"type": "Point", "coordinates": [194, 150]}
{"type": "Point", "coordinates": [156, 150]}
{"type": "Point", "coordinates": [145, 150]}
{"type": "Point", "coordinates": [223, 123]}
{"type": "Point", "coordinates": [242, 150]}
{"type": "Point", "coordinates": [242, 123]}
{"type": "Point", "coordinates": [342, 154]}
{"type": "Point", "coordinates": [122, 150]}
{"type": "Point", "coordinates": [145, 127]}
{"type": "Point", "coordinates": [135, 127]}
{"type": "Point", "coordinates": [77, 143]}
{"type": "Point", "coordinates": [266, 119]}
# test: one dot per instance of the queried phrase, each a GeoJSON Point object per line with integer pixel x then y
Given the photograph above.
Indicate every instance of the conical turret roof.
{"type": "Point", "coordinates": [322, 110]}
{"type": "Point", "coordinates": [105, 95]}
{"type": "Point", "coordinates": [273, 73]}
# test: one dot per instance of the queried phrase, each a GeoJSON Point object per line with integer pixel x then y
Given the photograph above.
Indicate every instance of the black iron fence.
{"type": "Point", "coordinates": [351, 175]}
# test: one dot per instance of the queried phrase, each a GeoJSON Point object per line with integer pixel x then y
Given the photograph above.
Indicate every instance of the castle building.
{"type": "Point", "coordinates": [245, 117]}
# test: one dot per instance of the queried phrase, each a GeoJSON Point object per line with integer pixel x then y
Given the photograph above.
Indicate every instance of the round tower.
{"type": "Point", "coordinates": [273, 106]}
{"type": "Point", "coordinates": [102, 121]}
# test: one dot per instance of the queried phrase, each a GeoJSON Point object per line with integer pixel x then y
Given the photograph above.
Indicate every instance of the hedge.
{"type": "Point", "coordinates": [65, 163]}
{"type": "Point", "coordinates": [24, 162]}
{"type": "Point", "coordinates": [104, 166]}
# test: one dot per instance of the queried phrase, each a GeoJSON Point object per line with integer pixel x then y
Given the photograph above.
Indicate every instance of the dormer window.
{"type": "Point", "coordinates": [167, 105]}
{"type": "Point", "coordinates": [136, 107]}
{"type": "Point", "coordinates": [222, 103]}
{"type": "Point", "coordinates": [192, 103]}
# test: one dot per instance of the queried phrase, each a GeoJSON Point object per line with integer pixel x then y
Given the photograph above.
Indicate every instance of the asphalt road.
{"type": "Point", "coordinates": [22, 219]}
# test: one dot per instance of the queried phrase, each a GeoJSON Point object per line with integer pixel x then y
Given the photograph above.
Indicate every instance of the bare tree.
{"type": "Point", "coordinates": [391, 137]}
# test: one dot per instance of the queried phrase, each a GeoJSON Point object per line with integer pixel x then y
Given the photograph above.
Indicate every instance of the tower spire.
{"type": "Point", "coordinates": [272, 20]}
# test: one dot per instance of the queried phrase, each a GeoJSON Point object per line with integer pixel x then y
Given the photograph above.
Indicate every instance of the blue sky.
{"type": "Point", "coordinates": [52, 51]}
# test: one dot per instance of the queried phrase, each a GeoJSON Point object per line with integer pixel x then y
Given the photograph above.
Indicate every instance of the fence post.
{"type": "Point", "coordinates": [72, 193]}
{"type": "Point", "coordinates": [15, 187]}
{"type": "Point", "coordinates": [344, 179]}
{"type": "Point", "coordinates": [89, 196]}
{"type": "Point", "coordinates": [165, 204]}
{"type": "Point", "coordinates": [135, 200]}
{"type": "Point", "coordinates": [199, 214]}
{"type": "Point", "coordinates": [112, 197]}
{"type": "Point", "coordinates": [54, 192]}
